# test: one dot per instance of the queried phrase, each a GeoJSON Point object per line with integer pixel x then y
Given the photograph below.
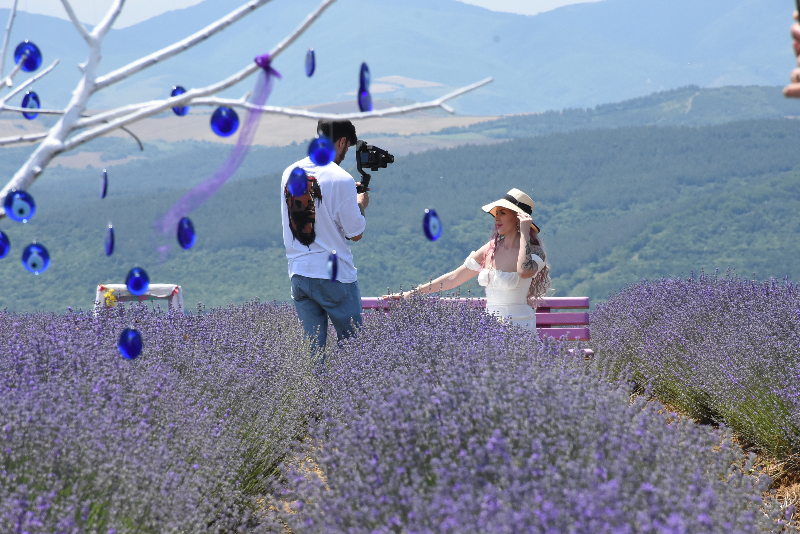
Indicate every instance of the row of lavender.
{"type": "Point", "coordinates": [438, 419]}
{"type": "Point", "coordinates": [435, 418]}
{"type": "Point", "coordinates": [181, 439]}
{"type": "Point", "coordinates": [721, 349]}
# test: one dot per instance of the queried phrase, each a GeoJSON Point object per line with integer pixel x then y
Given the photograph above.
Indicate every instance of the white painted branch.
{"type": "Point", "coordinates": [40, 111]}
{"type": "Point", "coordinates": [397, 110]}
{"type": "Point", "coordinates": [101, 29]}
{"type": "Point", "coordinates": [7, 37]}
{"type": "Point", "coordinates": [9, 80]}
{"type": "Point", "coordinates": [26, 83]}
{"type": "Point", "coordinates": [77, 23]}
{"type": "Point", "coordinates": [4, 141]}
{"type": "Point", "coordinates": [186, 98]}
{"type": "Point", "coordinates": [177, 48]}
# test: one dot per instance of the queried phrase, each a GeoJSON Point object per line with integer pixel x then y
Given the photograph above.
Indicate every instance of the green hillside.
{"type": "Point", "coordinates": [614, 206]}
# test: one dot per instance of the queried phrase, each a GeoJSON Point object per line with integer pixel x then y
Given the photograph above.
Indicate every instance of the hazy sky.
{"type": "Point", "coordinates": [91, 11]}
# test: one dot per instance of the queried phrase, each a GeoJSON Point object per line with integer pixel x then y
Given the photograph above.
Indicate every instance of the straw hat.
{"type": "Point", "coordinates": [514, 200]}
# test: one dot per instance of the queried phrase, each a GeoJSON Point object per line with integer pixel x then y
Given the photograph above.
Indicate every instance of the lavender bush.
{"type": "Point", "coordinates": [182, 439]}
{"type": "Point", "coordinates": [438, 419]}
{"type": "Point", "coordinates": [721, 349]}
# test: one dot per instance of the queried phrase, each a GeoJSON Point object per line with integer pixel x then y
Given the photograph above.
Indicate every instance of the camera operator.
{"type": "Point", "coordinates": [314, 226]}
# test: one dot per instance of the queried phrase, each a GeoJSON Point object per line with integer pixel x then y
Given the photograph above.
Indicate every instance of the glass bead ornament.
{"type": "Point", "coordinates": [364, 78]}
{"type": "Point", "coordinates": [224, 122]}
{"type": "Point", "coordinates": [19, 206]}
{"type": "Point", "coordinates": [104, 185]}
{"type": "Point", "coordinates": [137, 281]}
{"type": "Point", "coordinates": [31, 53]}
{"type": "Point", "coordinates": [311, 62]}
{"type": "Point", "coordinates": [5, 245]}
{"type": "Point", "coordinates": [321, 151]}
{"type": "Point", "coordinates": [432, 225]}
{"type": "Point", "coordinates": [31, 101]}
{"type": "Point", "coordinates": [364, 100]}
{"type": "Point", "coordinates": [333, 266]}
{"type": "Point", "coordinates": [297, 184]}
{"type": "Point", "coordinates": [35, 258]}
{"type": "Point", "coordinates": [180, 111]}
{"type": "Point", "coordinates": [109, 244]}
{"type": "Point", "coordinates": [186, 235]}
{"type": "Point", "coordinates": [130, 343]}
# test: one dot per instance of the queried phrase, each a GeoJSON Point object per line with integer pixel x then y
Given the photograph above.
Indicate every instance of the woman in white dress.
{"type": "Point", "coordinates": [511, 266]}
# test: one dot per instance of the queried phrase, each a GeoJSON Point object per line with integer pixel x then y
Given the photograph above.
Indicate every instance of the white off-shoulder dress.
{"type": "Point", "coordinates": [506, 294]}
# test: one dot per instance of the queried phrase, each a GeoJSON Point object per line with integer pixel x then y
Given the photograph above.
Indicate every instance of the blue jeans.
{"type": "Point", "coordinates": [315, 299]}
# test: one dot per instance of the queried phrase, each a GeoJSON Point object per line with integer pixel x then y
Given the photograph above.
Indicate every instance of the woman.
{"type": "Point", "coordinates": [511, 266]}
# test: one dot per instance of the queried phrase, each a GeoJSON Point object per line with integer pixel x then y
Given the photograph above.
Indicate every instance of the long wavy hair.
{"type": "Point", "coordinates": [540, 283]}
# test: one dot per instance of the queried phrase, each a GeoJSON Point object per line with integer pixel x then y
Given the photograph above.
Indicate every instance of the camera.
{"type": "Point", "coordinates": [372, 158]}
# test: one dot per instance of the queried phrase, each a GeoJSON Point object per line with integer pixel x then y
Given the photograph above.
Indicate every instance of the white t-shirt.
{"type": "Point", "coordinates": [337, 217]}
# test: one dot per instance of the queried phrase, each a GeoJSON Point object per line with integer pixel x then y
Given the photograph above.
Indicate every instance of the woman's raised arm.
{"type": "Point", "coordinates": [450, 280]}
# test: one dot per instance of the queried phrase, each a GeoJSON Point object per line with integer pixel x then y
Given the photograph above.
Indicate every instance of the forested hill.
{"type": "Point", "coordinates": [614, 206]}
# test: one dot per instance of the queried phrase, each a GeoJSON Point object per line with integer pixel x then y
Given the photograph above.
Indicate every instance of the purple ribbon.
{"type": "Point", "coordinates": [166, 226]}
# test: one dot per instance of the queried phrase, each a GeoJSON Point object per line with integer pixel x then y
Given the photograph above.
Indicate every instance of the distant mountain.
{"type": "Point", "coordinates": [576, 56]}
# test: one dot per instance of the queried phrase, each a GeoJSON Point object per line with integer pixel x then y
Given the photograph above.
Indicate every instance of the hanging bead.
{"type": "Point", "coordinates": [186, 235]}
{"type": "Point", "coordinates": [224, 121]}
{"type": "Point", "coordinates": [364, 100]}
{"type": "Point", "coordinates": [364, 77]}
{"type": "Point", "coordinates": [311, 62]}
{"type": "Point", "coordinates": [297, 184]}
{"type": "Point", "coordinates": [333, 266]}
{"type": "Point", "coordinates": [31, 101]}
{"type": "Point", "coordinates": [432, 225]}
{"type": "Point", "coordinates": [321, 151]}
{"type": "Point", "coordinates": [137, 281]}
{"type": "Point", "coordinates": [5, 245]}
{"type": "Point", "coordinates": [35, 258]}
{"type": "Point", "coordinates": [130, 343]}
{"type": "Point", "coordinates": [19, 206]}
{"type": "Point", "coordinates": [33, 56]}
{"type": "Point", "coordinates": [104, 185]}
{"type": "Point", "coordinates": [180, 111]}
{"type": "Point", "coordinates": [109, 244]}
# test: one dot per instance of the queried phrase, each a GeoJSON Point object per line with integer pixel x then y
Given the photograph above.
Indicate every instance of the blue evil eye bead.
{"type": "Point", "coordinates": [31, 53]}
{"type": "Point", "coordinates": [35, 258]}
{"type": "Point", "coordinates": [130, 343]}
{"type": "Point", "coordinates": [30, 101]}
{"type": "Point", "coordinates": [311, 62]}
{"type": "Point", "coordinates": [109, 245]}
{"type": "Point", "coordinates": [297, 184]}
{"type": "Point", "coordinates": [5, 245]}
{"type": "Point", "coordinates": [333, 266]}
{"type": "Point", "coordinates": [104, 185]}
{"type": "Point", "coordinates": [321, 151]}
{"type": "Point", "coordinates": [224, 121]}
{"type": "Point", "coordinates": [186, 235]}
{"type": "Point", "coordinates": [432, 225]}
{"type": "Point", "coordinates": [364, 100]}
{"type": "Point", "coordinates": [363, 79]}
{"type": "Point", "coordinates": [19, 206]}
{"type": "Point", "coordinates": [180, 111]}
{"type": "Point", "coordinates": [137, 281]}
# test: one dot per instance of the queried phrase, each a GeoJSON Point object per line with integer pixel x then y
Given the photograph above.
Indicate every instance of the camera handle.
{"type": "Point", "coordinates": [364, 182]}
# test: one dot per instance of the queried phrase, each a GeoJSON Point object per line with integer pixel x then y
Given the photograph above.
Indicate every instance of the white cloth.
{"type": "Point", "coordinates": [337, 217]}
{"type": "Point", "coordinates": [506, 294]}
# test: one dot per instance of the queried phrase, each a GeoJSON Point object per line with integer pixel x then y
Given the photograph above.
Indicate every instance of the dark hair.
{"type": "Point", "coordinates": [335, 130]}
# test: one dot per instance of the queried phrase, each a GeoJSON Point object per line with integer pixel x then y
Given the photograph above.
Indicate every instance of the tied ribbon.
{"type": "Point", "coordinates": [165, 227]}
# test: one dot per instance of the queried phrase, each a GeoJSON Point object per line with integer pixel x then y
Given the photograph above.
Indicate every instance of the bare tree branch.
{"type": "Point", "coordinates": [7, 37]}
{"type": "Point", "coordinates": [101, 29]}
{"type": "Point", "coordinates": [174, 49]}
{"type": "Point", "coordinates": [78, 24]}
{"type": "Point", "coordinates": [4, 141]}
{"type": "Point", "coordinates": [26, 83]}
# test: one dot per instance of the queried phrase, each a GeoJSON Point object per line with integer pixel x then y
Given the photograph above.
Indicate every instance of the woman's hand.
{"type": "Point", "coordinates": [397, 296]}
{"type": "Point", "coordinates": [525, 225]}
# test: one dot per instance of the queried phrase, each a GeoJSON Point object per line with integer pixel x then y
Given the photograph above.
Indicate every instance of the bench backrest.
{"type": "Point", "coordinates": [551, 321]}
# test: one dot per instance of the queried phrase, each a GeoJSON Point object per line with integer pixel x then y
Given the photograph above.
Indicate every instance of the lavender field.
{"type": "Point", "coordinates": [436, 418]}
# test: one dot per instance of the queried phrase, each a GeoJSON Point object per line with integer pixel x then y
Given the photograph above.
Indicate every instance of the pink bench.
{"type": "Point", "coordinates": [550, 320]}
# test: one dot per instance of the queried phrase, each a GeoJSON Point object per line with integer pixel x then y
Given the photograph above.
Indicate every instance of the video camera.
{"type": "Point", "coordinates": [372, 158]}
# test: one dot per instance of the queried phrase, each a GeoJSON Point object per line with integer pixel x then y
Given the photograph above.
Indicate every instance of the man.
{"type": "Point", "coordinates": [315, 225]}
